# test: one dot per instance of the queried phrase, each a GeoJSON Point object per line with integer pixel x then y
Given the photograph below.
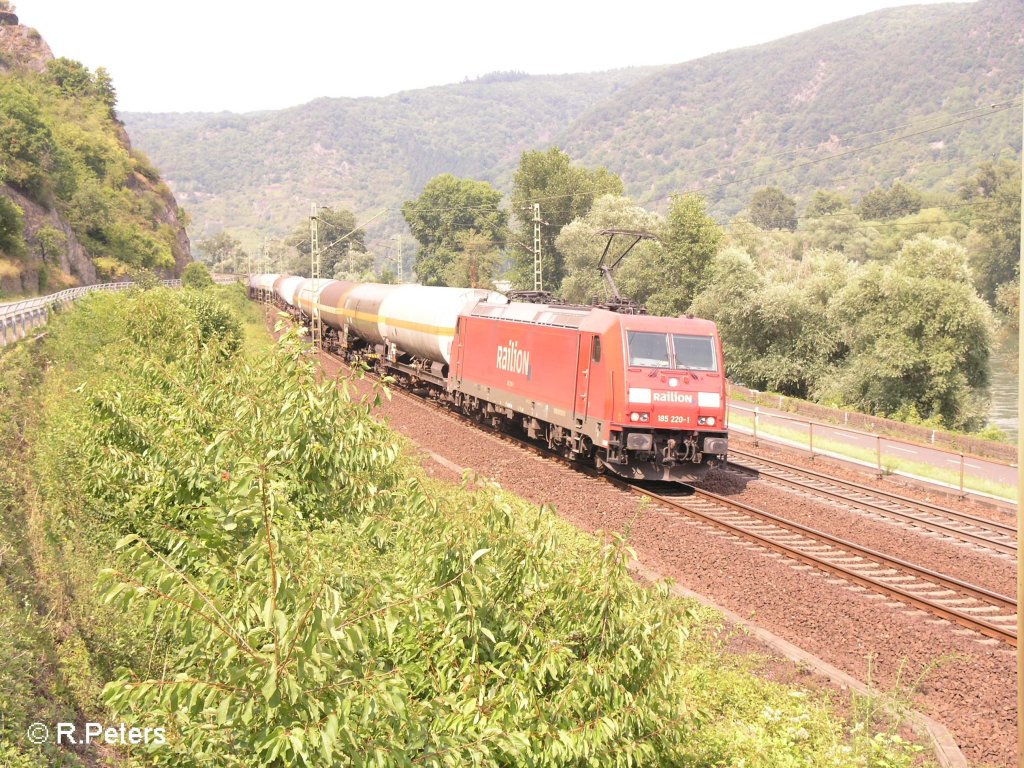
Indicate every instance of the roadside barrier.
{"type": "Point", "coordinates": [757, 431]}
{"type": "Point", "coordinates": [18, 318]}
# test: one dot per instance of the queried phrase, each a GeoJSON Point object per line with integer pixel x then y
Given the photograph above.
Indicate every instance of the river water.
{"type": "Point", "coordinates": [1003, 412]}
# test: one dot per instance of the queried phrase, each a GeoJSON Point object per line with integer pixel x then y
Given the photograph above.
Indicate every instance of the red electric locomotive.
{"type": "Point", "coordinates": [644, 396]}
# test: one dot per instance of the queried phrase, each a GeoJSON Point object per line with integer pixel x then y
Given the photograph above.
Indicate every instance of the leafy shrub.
{"type": "Point", "coordinates": [12, 222]}
{"type": "Point", "coordinates": [196, 275]}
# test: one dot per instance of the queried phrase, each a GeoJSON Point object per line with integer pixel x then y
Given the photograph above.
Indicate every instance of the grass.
{"type": "Point", "coordinates": [890, 464]}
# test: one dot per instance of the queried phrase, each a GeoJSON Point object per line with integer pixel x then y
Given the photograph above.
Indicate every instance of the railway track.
{"type": "Point", "coordinates": [975, 608]}
{"type": "Point", "coordinates": [980, 610]}
{"type": "Point", "coordinates": [978, 531]}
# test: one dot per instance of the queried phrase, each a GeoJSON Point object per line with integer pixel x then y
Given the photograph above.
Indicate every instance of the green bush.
{"type": "Point", "coordinates": [196, 275]}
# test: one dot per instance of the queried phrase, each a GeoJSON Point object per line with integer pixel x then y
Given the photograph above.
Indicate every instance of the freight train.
{"type": "Point", "coordinates": [641, 396]}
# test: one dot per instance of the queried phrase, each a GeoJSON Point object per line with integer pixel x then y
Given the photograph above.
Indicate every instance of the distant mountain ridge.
{"type": "Point", "coordinates": [702, 124]}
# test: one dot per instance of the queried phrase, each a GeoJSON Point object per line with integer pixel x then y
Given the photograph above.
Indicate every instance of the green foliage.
{"type": "Point", "coordinates": [12, 224]}
{"type": "Point", "coordinates": [27, 146]}
{"type": "Point", "coordinates": [909, 338]}
{"type": "Point", "coordinates": [564, 192]}
{"type": "Point", "coordinates": [771, 208]}
{"type": "Point", "coordinates": [826, 202]}
{"type": "Point", "coordinates": [477, 263]}
{"type": "Point", "coordinates": [343, 253]}
{"type": "Point", "coordinates": [51, 243]}
{"type": "Point", "coordinates": [71, 77]}
{"type": "Point", "coordinates": [449, 211]}
{"type": "Point", "coordinates": [881, 204]}
{"type": "Point", "coordinates": [992, 198]}
{"type": "Point", "coordinates": [223, 253]}
{"type": "Point", "coordinates": [690, 240]}
{"type": "Point", "coordinates": [917, 334]}
{"type": "Point", "coordinates": [60, 145]}
{"type": "Point", "coordinates": [196, 275]}
{"type": "Point", "coordinates": [774, 321]}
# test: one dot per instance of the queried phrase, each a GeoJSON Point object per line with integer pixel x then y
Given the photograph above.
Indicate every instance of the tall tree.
{"type": "Point", "coordinates": [564, 192]}
{"type": "Point", "coordinates": [825, 203]}
{"type": "Point", "coordinates": [690, 239]}
{"type": "Point", "coordinates": [476, 263]}
{"type": "Point", "coordinates": [223, 253]}
{"type": "Point", "coordinates": [918, 337]}
{"type": "Point", "coordinates": [441, 218]}
{"type": "Point", "coordinates": [881, 204]}
{"type": "Point", "coordinates": [342, 242]}
{"type": "Point", "coordinates": [771, 208]}
{"type": "Point", "coordinates": [994, 195]}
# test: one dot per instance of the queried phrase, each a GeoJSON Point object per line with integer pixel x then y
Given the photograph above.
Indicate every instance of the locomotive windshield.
{"type": "Point", "coordinates": [694, 353]}
{"type": "Point", "coordinates": [671, 350]}
{"type": "Point", "coordinates": [648, 350]}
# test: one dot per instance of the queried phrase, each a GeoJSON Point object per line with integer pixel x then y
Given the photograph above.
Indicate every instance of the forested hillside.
{"type": "Point", "coordinates": [255, 173]}
{"type": "Point", "coordinates": [77, 204]}
{"type": "Point", "coordinates": [722, 123]}
{"type": "Point", "coordinates": [698, 124]}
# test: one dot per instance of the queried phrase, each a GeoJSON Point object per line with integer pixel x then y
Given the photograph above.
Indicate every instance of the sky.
{"type": "Point", "coordinates": [216, 55]}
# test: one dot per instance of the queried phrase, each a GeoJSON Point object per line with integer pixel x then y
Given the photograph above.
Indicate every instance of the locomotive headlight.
{"type": "Point", "coordinates": [640, 395]}
{"type": "Point", "coordinates": [634, 416]}
{"type": "Point", "coordinates": [645, 417]}
{"type": "Point", "coordinates": [702, 421]}
{"type": "Point", "coordinates": [709, 400]}
{"type": "Point", "coordinates": [711, 421]}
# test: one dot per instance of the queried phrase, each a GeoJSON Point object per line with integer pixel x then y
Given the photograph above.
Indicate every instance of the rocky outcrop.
{"type": "Point", "coordinates": [72, 260]}
{"type": "Point", "coordinates": [22, 48]}
{"type": "Point", "coordinates": [53, 256]}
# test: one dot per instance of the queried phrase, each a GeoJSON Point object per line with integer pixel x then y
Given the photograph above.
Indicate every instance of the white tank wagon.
{"type": "Point", "coordinates": [420, 320]}
{"type": "Point", "coordinates": [413, 320]}
{"type": "Point", "coordinates": [359, 309]}
{"type": "Point", "coordinates": [305, 297]}
{"type": "Point", "coordinates": [265, 285]}
{"type": "Point", "coordinates": [287, 287]}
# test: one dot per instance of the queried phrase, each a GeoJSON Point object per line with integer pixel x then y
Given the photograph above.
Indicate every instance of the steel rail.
{"type": "Point", "coordinates": [954, 585]}
{"type": "Point", "coordinates": [922, 507]}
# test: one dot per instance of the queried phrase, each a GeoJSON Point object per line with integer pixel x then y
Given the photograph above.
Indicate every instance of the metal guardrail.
{"type": "Point", "coordinates": [17, 318]}
{"type": "Point", "coordinates": [879, 441]}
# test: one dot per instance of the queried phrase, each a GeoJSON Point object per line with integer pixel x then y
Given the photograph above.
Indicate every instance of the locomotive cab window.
{"type": "Point", "coordinates": [596, 349]}
{"type": "Point", "coordinates": [648, 350]}
{"type": "Point", "coordinates": [694, 353]}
